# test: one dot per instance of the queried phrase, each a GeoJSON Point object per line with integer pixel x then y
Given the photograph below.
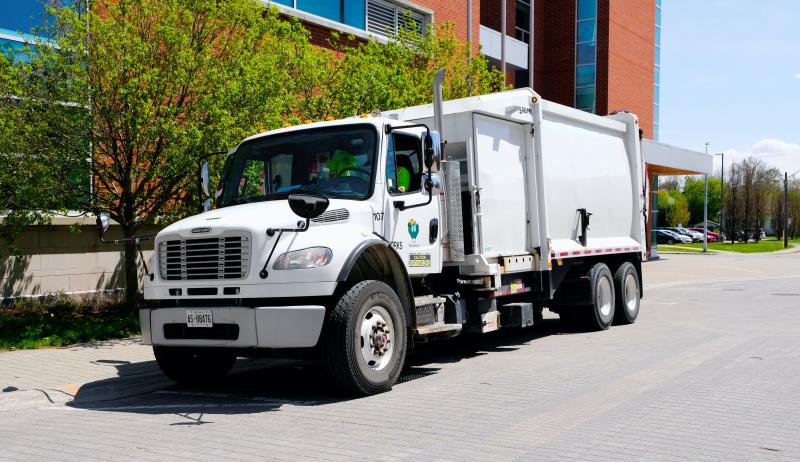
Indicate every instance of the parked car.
{"type": "Point", "coordinates": [693, 235]}
{"type": "Point", "coordinates": [712, 236]}
{"type": "Point", "coordinates": [666, 236]}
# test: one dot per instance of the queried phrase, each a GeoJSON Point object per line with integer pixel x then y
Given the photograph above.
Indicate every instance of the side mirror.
{"type": "Point", "coordinates": [308, 206]}
{"type": "Point", "coordinates": [204, 179]}
{"type": "Point", "coordinates": [432, 149]}
{"type": "Point", "coordinates": [103, 221]}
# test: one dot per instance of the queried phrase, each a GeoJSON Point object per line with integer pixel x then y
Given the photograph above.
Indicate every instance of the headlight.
{"type": "Point", "coordinates": [313, 257]}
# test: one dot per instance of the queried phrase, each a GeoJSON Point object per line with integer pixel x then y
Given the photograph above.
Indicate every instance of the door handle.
{"type": "Point", "coordinates": [433, 233]}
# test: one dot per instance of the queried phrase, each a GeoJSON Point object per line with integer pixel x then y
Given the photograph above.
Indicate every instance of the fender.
{"type": "Point", "coordinates": [398, 278]}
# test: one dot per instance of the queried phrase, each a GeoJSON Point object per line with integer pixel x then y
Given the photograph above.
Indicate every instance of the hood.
{"type": "Point", "coordinates": [257, 217]}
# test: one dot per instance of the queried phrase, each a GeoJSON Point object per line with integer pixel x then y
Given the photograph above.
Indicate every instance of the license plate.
{"type": "Point", "coordinates": [199, 318]}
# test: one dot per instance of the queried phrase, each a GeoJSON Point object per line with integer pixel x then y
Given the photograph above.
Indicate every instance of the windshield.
{"type": "Point", "coordinates": [338, 162]}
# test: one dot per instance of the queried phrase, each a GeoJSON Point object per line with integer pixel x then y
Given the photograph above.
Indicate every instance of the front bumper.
{"type": "Point", "coordinates": [260, 327]}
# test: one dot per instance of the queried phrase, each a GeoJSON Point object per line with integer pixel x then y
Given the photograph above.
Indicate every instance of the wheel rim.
{"type": "Point", "coordinates": [375, 337]}
{"type": "Point", "coordinates": [604, 297]}
{"type": "Point", "coordinates": [631, 293]}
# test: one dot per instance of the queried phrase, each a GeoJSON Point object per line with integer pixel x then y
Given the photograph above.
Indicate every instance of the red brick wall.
{"type": "Point", "coordinates": [557, 75]}
{"type": "Point", "coordinates": [538, 44]}
{"type": "Point", "coordinates": [631, 57]}
{"type": "Point", "coordinates": [601, 79]}
{"type": "Point", "coordinates": [455, 12]}
{"type": "Point", "coordinates": [491, 17]}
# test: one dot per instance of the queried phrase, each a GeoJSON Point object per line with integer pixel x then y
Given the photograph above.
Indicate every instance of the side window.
{"type": "Point", "coordinates": [252, 181]}
{"type": "Point", "coordinates": [404, 164]}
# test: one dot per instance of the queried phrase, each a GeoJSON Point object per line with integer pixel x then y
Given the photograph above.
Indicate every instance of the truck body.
{"type": "Point", "coordinates": [351, 240]}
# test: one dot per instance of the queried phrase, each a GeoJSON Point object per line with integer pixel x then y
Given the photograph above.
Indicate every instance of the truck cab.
{"type": "Point", "coordinates": [253, 275]}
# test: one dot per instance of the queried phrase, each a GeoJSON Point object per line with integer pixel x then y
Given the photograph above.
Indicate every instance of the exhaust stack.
{"type": "Point", "coordinates": [437, 101]}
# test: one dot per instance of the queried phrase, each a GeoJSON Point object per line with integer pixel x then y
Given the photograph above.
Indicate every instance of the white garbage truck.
{"type": "Point", "coordinates": [350, 241]}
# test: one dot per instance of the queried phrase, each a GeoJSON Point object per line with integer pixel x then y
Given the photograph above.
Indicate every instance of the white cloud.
{"type": "Point", "coordinates": [797, 76]}
{"type": "Point", "coordinates": [783, 155]}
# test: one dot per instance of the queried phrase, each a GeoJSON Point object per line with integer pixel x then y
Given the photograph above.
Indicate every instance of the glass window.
{"type": "Point", "coordinates": [658, 16]}
{"type": "Point", "coordinates": [585, 53]}
{"type": "Point", "coordinates": [587, 31]}
{"type": "Point", "coordinates": [13, 49]}
{"type": "Point", "coordinates": [355, 13]}
{"type": "Point", "coordinates": [325, 8]}
{"type": "Point", "coordinates": [350, 12]}
{"type": "Point", "coordinates": [587, 9]}
{"type": "Point", "coordinates": [404, 164]}
{"type": "Point", "coordinates": [585, 75]}
{"type": "Point", "coordinates": [658, 75]}
{"type": "Point", "coordinates": [658, 55]}
{"type": "Point", "coordinates": [658, 36]}
{"type": "Point", "coordinates": [336, 161]}
{"type": "Point", "coordinates": [657, 94]}
{"type": "Point", "coordinates": [21, 15]}
{"type": "Point", "coordinates": [585, 98]}
{"type": "Point", "coordinates": [655, 115]}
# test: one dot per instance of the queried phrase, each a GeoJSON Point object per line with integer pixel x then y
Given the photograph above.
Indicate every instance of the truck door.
{"type": "Point", "coordinates": [500, 163]}
{"type": "Point", "coordinates": [414, 232]}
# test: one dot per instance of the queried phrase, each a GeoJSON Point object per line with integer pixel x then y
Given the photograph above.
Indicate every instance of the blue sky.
{"type": "Point", "coordinates": [730, 75]}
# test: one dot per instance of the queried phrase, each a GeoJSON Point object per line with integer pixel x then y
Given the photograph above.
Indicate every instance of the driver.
{"type": "Point", "coordinates": [340, 162]}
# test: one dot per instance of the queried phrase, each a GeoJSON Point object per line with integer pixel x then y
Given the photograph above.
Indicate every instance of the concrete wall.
{"type": "Point", "coordinates": [64, 257]}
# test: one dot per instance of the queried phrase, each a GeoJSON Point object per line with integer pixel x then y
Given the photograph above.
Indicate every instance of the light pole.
{"type": "Point", "coordinates": [705, 208]}
{"type": "Point", "coordinates": [786, 177]}
{"type": "Point", "coordinates": [722, 194]}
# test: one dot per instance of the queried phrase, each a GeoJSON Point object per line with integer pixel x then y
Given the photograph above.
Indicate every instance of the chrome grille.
{"type": "Point", "coordinates": [332, 215]}
{"type": "Point", "coordinates": [223, 257]}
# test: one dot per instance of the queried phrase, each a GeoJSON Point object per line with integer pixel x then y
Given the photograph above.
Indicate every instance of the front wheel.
{"type": "Point", "coordinates": [365, 339]}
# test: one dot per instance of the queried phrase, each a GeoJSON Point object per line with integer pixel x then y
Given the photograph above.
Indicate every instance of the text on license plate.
{"type": "Point", "coordinates": [199, 318]}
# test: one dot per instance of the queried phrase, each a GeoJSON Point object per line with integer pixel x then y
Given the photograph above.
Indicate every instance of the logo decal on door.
{"type": "Point", "coordinates": [413, 228]}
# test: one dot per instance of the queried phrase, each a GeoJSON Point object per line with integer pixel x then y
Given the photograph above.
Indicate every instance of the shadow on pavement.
{"type": "Point", "coordinates": [265, 385]}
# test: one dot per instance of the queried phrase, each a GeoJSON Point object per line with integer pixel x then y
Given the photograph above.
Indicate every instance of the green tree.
{"type": "Point", "coordinates": [693, 190]}
{"type": "Point", "coordinates": [360, 77]}
{"type": "Point", "coordinates": [160, 83]}
{"type": "Point", "coordinates": [144, 88]}
{"type": "Point", "coordinates": [673, 208]}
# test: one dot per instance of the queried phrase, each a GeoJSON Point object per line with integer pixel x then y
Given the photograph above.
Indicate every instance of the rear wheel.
{"type": "Point", "coordinates": [190, 366]}
{"type": "Point", "coordinates": [600, 314]}
{"type": "Point", "coordinates": [626, 283]}
{"type": "Point", "coordinates": [365, 339]}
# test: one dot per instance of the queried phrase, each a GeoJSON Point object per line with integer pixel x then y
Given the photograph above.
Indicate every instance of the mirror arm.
{"type": "Point", "coordinates": [143, 237]}
{"type": "Point", "coordinates": [301, 228]}
{"type": "Point", "coordinates": [271, 232]}
{"type": "Point", "coordinates": [428, 186]}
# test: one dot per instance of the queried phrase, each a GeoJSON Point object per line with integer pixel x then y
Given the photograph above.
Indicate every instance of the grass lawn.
{"type": "Point", "coordinates": [34, 330]}
{"type": "Point", "coordinates": [59, 320]}
{"type": "Point", "coordinates": [678, 248]}
{"type": "Point", "coordinates": [770, 245]}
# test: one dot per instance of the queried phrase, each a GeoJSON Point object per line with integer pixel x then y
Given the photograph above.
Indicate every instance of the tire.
{"type": "Point", "coordinates": [350, 360]}
{"type": "Point", "coordinates": [189, 366]}
{"type": "Point", "coordinates": [600, 314]}
{"type": "Point", "coordinates": [627, 293]}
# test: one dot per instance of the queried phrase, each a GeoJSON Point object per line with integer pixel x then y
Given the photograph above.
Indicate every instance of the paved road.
{"type": "Point", "coordinates": [709, 372]}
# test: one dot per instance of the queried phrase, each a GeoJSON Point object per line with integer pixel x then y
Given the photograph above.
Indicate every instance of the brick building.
{"type": "Point", "coordinates": [596, 55]}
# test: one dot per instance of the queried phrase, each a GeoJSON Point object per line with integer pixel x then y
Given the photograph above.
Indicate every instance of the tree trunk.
{"type": "Point", "coordinates": [131, 271]}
